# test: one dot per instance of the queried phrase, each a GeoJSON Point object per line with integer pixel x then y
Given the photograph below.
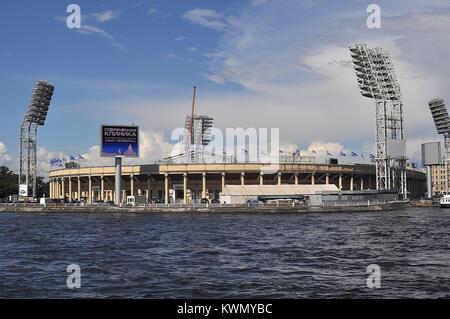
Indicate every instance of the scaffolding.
{"type": "Point", "coordinates": [198, 135]}
{"type": "Point", "coordinates": [377, 80]}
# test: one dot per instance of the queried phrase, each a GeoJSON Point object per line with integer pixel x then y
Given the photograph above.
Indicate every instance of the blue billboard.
{"type": "Point", "coordinates": [119, 140]}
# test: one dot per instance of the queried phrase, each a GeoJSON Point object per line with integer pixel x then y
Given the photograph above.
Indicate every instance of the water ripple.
{"type": "Point", "coordinates": [226, 255]}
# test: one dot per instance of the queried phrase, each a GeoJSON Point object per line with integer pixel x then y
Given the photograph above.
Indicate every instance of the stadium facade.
{"type": "Point", "coordinates": [187, 183]}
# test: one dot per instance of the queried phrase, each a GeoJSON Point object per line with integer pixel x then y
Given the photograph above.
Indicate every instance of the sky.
{"type": "Point", "coordinates": [256, 63]}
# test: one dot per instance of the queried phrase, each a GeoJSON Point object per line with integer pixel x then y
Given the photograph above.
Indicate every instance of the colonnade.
{"type": "Point", "coordinates": [101, 188]}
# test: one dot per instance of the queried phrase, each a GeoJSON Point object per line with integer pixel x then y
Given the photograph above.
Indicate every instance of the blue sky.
{"type": "Point", "coordinates": [257, 63]}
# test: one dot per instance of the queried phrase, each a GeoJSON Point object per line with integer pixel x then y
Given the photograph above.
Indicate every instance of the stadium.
{"type": "Point", "coordinates": [189, 183]}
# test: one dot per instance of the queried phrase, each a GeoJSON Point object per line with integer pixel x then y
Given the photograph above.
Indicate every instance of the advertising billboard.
{"type": "Point", "coordinates": [431, 153]}
{"type": "Point", "coordinates": [119, 140]}
{"type": "Point", "coordinates": [23, 190]}
{"type": "Point", "coordinates": [396, 148]}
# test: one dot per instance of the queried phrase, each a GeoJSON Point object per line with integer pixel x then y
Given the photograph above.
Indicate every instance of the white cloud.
{"type": "Point", "coordinates": [216, 78]}
{"type": "Point", "coordinates": [206, 18]}
{"type": "Point", "coordinates": [180, 38]}
{"type": "Point", "coordinates": [4, 156]}
{"type": "Point", "coordinates": [153, 146]}
{"type": "Point", "coordinates": [153, 11]}
{"type": "Point", "coordinates": [172, 56]}
{"type": "Point", "coordinates": [89, 29]}
{"type": "Point", "coordinates": [299, 75]}
{"type": "Point", "coordinates": [106, 15]}
{"type": "Point", "coordinates": [191, 49]}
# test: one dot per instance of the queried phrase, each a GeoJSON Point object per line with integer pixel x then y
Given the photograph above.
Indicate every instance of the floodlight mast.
{"type": "Point", "coordinates": [34, 117]}
{"type": "Point", "coordinates": [377, 80]}
{"type": "Point", "coordinates": [442, 122]}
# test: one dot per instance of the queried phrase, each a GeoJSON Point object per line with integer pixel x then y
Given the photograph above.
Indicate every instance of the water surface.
{"type": "Point", "coordinates": [308, 255]}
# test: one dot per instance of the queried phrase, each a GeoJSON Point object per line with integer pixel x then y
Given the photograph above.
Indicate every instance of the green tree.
{"type": "Point", "coordinates": [42, 187]}
{"type": "Point", "coordinates": [8, 182]}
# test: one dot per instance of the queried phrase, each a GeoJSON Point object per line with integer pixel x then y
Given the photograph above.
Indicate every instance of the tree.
{"type": "Point", "coordinates": [42, 187]}
{"type": "Point", "coordinates": [9, 184]}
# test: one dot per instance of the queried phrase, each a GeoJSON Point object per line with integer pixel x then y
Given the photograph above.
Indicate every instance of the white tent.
{"type": "Point", "coordinates": [238, 194]}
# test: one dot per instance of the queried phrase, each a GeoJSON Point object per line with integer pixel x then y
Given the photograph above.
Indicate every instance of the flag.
{"type": "Point", "coordinates": [244, 151]}
{"type": "Point", "coordinates": [342, 153]}
{"type": "Point", "coordinates": [56, 162]}
{"type": "Point", "coordinates": [79, 157]}
{"type": "Point", "coordinates": [314, 151]}
{"type": "Point", "coordinates": [354, 154]}
{"type": "Point", "coordinates": [297, 152]}
{"type": "Point", "coordinates": [329, 154]}
{"type": "Point", "coordinates": [72, 158]}
{"type": "Point", "coordinates": [372, 156]}
{"type": "Point", "coordinates": [362, 155]}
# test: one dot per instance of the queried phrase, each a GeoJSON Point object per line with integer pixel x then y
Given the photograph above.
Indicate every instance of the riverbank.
{"type": "Point", "coordinates": [212, 208]}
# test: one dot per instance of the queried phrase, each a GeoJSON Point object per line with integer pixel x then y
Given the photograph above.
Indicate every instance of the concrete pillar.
{"type": "Point", "coordinates": [70, 189]}
{"type": "Point", "coordinates": [429, 189]}
{"type": "Point", "coordinates": [132, 185]}
{"type": "Point", "coordinates": [63, 188]}
{"type": "Point", "coordinates": [340, 181]}
{"type": "Point", "coordinates": [78, 188]}
{"type": "Point", "coordinates": [242, 178]}
{"type": "Point", "coordinates": [261, 178]}
{"type": "Point", "coordinates": [203, 185]}
{"type": "Point", "coordinates": [279, 178]}
{"type": "Point", "coordinates": [351, 183]}
{"type": "Point", "coordinates": [185, 181]}
{"type": "Point", "coordinates": [102, 188]}
{"type": "Point", "coordinates": [50, 188]}
{"type": "Point", "coordinates": [166, 188]}
{"type": "Point", "coordinates": [58, 188]}
{"type": "Point", "coordinates": [223, 181]}
{"type": "Point", "coordinates": [313, 180]}
{"type": "Point", "coordinates": [296, 178]}
{"type": "Point", "coordinates": [149, 185]}
{"type": "Point", "coordinates": [90, 190]}
{"type": "Point", "coordinates": [117, 180]}
{"type": "Point", "coordinates": [327, 179]}
{"type": "Point", "coordinates": [362, 182]}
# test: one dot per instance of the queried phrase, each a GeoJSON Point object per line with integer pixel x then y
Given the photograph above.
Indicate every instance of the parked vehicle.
{"type": "Point", "coordinates": [253, 201]}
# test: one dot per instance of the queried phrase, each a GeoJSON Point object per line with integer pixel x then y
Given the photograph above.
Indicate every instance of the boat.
{"type": "Point", "coordinates": [445, 201]}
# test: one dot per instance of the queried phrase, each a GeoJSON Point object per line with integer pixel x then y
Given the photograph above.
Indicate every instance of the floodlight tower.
{"type": "Point", "coordinates": [442, 123]}
{"type": "Point", "coordinates": [34, 117]}
{"type": "Point", "coordinates": [377, 80]}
